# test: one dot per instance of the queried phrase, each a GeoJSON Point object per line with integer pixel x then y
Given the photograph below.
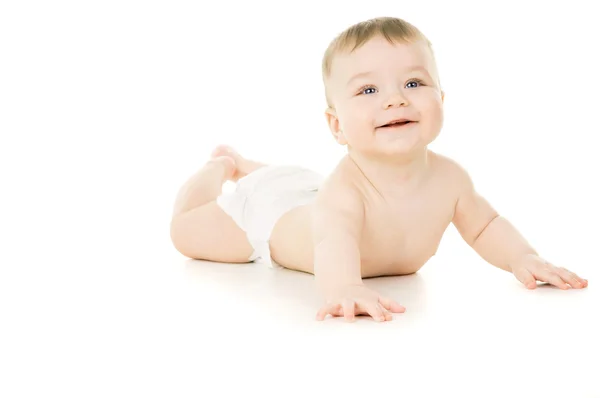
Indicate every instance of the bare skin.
{"type": "Point", "coordinates": [398, 235]}
{"type": "Point", "coordinates": [397, 231]}
{"type": "Point", "coordinates": [292, 238]}
{"type": "Point", "coordinates": [384, 209]}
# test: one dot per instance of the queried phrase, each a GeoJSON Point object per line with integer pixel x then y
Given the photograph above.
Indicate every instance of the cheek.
{"type": "Point", "coordinates": [432, 111]}
{"type": "Point", "coordinates": [355, 116]}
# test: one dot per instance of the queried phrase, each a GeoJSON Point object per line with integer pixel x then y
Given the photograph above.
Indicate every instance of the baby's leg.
{"type": "Point", "coordinates": [199, 227]}
{"type": "Point", "coordinates": [243, 166]}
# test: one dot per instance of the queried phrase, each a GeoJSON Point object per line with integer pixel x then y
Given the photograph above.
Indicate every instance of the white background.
{"type": "Point", "coordinates": [106, 108]}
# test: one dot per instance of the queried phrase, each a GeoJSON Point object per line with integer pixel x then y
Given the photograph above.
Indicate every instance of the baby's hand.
{"type": "Point", "coordinates": [351, 300]}
{"type": "Point", "coordinates": [530, 268]}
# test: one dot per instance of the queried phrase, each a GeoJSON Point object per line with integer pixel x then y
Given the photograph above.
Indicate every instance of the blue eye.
{"type": "Point", "coordinates": [415, 83]}
{"type": "Point", "coordinates": [367, 90]}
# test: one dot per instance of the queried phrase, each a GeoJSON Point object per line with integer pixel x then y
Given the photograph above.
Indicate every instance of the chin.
{"type": "Point", "coordinates": [402, 147]}
{"type": "Point", "coordinates": [400, 152]}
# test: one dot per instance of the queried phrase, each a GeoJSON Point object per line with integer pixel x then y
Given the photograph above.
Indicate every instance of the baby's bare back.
{"type": "Point", "coordinates": [400, 233]}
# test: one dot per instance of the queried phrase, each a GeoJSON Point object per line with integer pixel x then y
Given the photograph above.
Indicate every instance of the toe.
{"type": "Point", "coordinates": [222, 150]}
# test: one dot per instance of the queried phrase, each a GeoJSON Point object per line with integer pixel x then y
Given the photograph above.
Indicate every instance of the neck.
{"type": "Point", "coordinates": [395, 173]}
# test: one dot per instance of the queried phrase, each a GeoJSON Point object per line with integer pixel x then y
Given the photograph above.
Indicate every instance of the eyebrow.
{"type": "Point", "coordinates": [368, 73]}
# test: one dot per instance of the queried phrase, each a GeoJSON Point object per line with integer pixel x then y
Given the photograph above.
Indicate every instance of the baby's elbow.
{"type": "Point", "coordinates": [485, 226]}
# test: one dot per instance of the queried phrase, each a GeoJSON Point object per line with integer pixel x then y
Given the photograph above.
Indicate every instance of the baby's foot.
{"type": "Point", "coordinates": [224, 164]}
{"type": "Point", "coordinates": [243, 166]}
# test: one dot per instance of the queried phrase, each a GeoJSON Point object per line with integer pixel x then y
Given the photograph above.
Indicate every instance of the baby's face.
{"type": "Point", "coordinates": [380, 83]}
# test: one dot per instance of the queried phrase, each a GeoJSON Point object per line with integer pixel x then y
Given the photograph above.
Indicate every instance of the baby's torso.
{"type": "Point", "coordinates": [400, 233]}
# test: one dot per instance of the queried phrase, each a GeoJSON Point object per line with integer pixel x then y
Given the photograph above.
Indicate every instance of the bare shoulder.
{"type": "Point", "coordinates": [453, 172]}
{"type": "Point", "coordinates": [339, 204]}
{"type": "Point", "coordinates": [472, 211]}
{"type": "Point", "coordinates": [340, 188]}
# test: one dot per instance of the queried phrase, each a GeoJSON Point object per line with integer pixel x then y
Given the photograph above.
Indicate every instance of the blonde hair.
{"type": "Point", "coordinates": [394, 30]}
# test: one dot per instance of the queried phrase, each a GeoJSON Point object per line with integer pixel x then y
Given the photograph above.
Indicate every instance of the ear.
{"type": "Point", "coordinates": [334, 126]}
{"type": "Point", "coordinates": [443, 96]}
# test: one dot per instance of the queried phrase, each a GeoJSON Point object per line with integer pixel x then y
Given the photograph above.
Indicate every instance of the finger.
{"type": "Point", "coordinates": [525, 277]}
{"type": "Point", "coordinates": [349, 308]}
{"type": "Point", "coordinates": [570, 278]}
{"type": "Point", "coordinates": [391, 305]}
{"type": "Point", "coordinates": [373, 309]}
{"type": "Point", "coordinates": [386, 314]}
{"type": "Point", "coordinates": [321, 314]}
{"type": "Point", "coordinates": [336, 310]}
{"type": "Point", "coordinates": [339, 311]}
{"type": "Point", "coordinates": [582, 281]}
{"type": "Point", "coordinates": [550, 276]}
{"type": "Point", "coordinates": [327, 309]}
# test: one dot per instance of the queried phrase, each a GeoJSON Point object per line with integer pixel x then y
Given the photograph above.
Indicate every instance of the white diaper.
{"type": "Point", "coordinates": [262, 197]}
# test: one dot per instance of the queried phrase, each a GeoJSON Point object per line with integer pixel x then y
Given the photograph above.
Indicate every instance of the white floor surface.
{"type": "Point", "coordinates": [125, 323]}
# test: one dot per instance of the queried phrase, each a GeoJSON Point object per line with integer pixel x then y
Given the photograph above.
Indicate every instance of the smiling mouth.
{"type": "Point", "coordinates": [397, 123]}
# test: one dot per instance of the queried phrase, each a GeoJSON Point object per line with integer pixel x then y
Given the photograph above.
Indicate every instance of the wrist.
{"type": "Point", "coordinates": [518, 259]}
{"type": "Point", "coordinates": [327, 285]}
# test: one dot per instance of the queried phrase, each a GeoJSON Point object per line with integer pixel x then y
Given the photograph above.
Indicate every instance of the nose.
{"type": "Point", "coordinates": [395, 100]}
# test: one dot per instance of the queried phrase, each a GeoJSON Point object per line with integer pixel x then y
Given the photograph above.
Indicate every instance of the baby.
{"type": "Point", "coordinates": [385, 206]}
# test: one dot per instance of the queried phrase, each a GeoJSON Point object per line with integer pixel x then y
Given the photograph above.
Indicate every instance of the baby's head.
{"type": "Point", "coordinates": [378, 71]}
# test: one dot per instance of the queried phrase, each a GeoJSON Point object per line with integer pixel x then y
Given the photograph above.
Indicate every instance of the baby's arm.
{"type": "Point", "coordinates": [337, 225]}
{"type": "Point", "coordinates": [492, 236]}
{"type": "Point", "coordinates": [498, 242]}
